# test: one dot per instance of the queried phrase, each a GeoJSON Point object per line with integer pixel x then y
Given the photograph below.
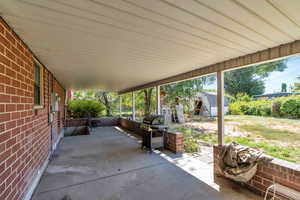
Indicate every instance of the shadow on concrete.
{"type": "Point", "coordinates": [109, 164]}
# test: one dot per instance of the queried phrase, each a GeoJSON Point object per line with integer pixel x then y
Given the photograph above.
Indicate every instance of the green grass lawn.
{"type": "Point", "coordinates": [270, 133]}
{"type": "Point", "coordinates": [275, 137]}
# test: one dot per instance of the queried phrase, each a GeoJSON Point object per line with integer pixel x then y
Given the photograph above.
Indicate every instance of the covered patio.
{"type": "Point", "coordinates": [109, 164]}
{"type": "Point", "coordinates": [49, 47]}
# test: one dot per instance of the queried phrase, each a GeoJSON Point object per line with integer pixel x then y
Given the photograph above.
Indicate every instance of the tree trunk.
{"type": "Point", "coordinates": [103, 98]}
{"type": "Point", "coordinates": [107, 104]}
{"type": "Point", "coordinates": [147, 98]}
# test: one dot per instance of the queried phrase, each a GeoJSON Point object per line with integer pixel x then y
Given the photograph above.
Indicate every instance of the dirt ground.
{"type": "Point", "coordinates": [233, 124]}
{"type": "Point", "coordinates": [274, 136]}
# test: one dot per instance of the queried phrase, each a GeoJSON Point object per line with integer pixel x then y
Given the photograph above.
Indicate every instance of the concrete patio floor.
{"type": "Point", "coordinates": [109, 165]}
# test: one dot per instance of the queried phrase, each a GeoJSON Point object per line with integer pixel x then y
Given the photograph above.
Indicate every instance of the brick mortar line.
{"type": "Point", "coordinates": [19, 125]}
{"type": "Point", "coordinates": [20, 42]}
{"type": "Point", "coordinates": [25, 63]}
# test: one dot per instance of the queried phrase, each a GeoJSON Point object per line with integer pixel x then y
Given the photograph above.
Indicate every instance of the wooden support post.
{"type": "Point", "coordinates": [133, 106]}
{"type": "Point", "coordinates": [158, 100]}
{"type": "Point", "coordinates": [120, 108]}
{"type": "Point", "coordinates": [220, 82]}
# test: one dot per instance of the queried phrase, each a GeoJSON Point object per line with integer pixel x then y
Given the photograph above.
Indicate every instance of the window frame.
{"type": "Point", "coordinates": [41, 88]}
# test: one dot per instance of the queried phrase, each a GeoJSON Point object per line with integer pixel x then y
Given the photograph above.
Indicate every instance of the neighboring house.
{"type": "Point", "coordinates": [205, 104]}
{"type": "Point", "coordinates": [275, 95]}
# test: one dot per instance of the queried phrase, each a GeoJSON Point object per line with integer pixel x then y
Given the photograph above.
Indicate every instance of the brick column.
{"type": "Point", "coordinates": [174, 142]}
{"type": "Point", "coordinates": [280, 171]}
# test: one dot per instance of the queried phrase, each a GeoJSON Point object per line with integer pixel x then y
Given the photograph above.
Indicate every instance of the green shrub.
{"type": "Point", "coordinates": [291, 107]}
{"type": "Point", "coordinates": [191, 145]}
{"type": "Point", "coordinates": [279, 107]}
{"type": "Point", "coordinates": [266, 109]}
{"type": "Point", "coordinates": [243, 97]}
{"type": "Point", "coordinates": [81, 108]}
{"type": "Point", "coordinates": [236, 108]}
{"type": "Point", "coordinates": [259, 108]}
{"type": "Point", "coordinates": [231, 99]}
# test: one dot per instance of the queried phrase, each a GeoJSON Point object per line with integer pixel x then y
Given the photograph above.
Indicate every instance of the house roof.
{"type": "Point", "coordinates": [114, 45]}
{"type": "Point", "coordinates": [212, 99]}
{"type": "Point", "coordinates": [275, 95]}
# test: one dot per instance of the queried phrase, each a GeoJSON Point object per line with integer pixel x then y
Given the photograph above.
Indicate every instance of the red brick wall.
{"type": "Point", "coordinates": [24, 131]}
{"type": "Point", "coordinates": [284, 173]}
{"type": "Point", "coordinates": [174, 141]}
{"type": "Point", "coordinates": [131, 125]}
{"type": "Point", "coordinates": [101, 121]}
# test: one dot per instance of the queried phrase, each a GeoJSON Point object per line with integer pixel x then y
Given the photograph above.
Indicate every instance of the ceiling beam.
{"type": "Point", "coordinates": [267, 55]}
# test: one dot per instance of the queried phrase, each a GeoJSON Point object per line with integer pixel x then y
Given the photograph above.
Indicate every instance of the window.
{"type": "Point", "coordinates": [38, 85]}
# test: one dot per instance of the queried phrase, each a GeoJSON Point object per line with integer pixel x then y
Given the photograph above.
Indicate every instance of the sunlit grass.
{"type": "Point", "coordinates": [270, 133]}
{"type": "Point", "coordinates": [239, 118]}
{"type": "Point", "coordinates": [269, 140]}
{"type": "Point", "coordinates": [282, 152]}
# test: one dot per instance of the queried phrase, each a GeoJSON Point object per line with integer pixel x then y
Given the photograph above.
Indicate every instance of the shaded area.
{"type": "Point", "coordinates": [76, 131]}
{"type": "Point", "coordinates": [108, 164]}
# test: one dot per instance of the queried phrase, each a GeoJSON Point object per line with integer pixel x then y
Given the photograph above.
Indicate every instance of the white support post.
{"type": "Point", "coordinates": [120, 111]}
{"type": "Point", "coordinates": [158, 100]}
{"type": "Point", "coordinates": [133, 106]}
{"type": "Point", "coordinates": [220, 82]}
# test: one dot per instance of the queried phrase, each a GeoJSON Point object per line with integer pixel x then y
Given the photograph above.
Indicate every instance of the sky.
{"type": "Point", "coordinates": [288, 76]}
{"type": "Point", "coordinates": [274, 81]}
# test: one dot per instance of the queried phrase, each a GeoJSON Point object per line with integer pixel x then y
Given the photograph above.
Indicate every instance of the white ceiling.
{"type": "Point", "coordinates": [117, 44]}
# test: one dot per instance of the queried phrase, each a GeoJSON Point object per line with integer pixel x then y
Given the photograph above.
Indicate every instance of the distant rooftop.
{"type": "Point", "coordinates": [276, 95]}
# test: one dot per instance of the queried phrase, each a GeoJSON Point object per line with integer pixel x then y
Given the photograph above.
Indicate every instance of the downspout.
{"type": "Point", "coordinates": [49, 113]}
{"type": "Point", "coordinates": [51, 86]}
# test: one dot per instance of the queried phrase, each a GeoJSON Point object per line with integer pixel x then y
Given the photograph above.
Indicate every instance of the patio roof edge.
{"type": "Point", "coordinates": [267, 55]}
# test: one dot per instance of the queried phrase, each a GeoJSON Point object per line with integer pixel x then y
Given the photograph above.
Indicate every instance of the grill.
{"type": "Point", "coordinates": [154, 129]}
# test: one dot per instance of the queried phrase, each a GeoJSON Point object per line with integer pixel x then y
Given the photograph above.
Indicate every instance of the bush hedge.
{"type": "Point", "coordinates": [280, 107]}
{"type": "Point", "coordinates": [291, 107]}
{"type": "Point", "coordinates": [80, 108]}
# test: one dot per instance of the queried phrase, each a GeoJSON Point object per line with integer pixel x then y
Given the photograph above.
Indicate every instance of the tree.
{"type": "Point", "coordinates": [126, 104]}
{"type": "Point", "coordinates": [110, 100]}
{"type": "Point", "coordinates": [84, 94]}
{"type": "Point", "coordinates": [243, 81]}
{"type": "Point", "coordinates": [148, 96]}
{"type": "Point", "coordinates": [186, 90]}
{"type": "Point", "coordinates": [78, 94]}
{"type": "Point", "coordinates": [250, 80]}
{"type": "Point", "coordinates": [145, 102]}
{"type": "Point", "coordinates": [79, 108]}
{"type": "Point", "coordinates": [106, 100]}
{"type": "Point", "coordinates": [283, 87]}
